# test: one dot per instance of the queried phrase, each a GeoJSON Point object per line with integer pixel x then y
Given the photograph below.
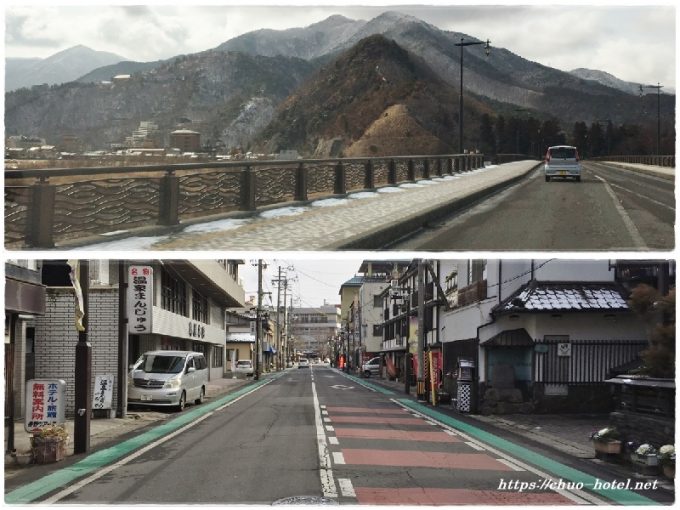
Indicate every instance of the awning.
{"type": "Point", "coordinates": [510, 338]}
{"type": "Point", "coordinates": [240, 338]}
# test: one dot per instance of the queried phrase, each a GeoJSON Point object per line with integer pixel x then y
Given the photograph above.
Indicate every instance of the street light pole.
{"type": "Point", "coordinates": [658, 88]}
{"type": "Point", "coordinates": [462, 44]}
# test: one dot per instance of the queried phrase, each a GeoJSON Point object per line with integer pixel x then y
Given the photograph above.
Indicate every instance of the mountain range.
{"type": "Point", "coordinates": [62, 67]}
{"type": "Point", "coordinates": [387, 85]}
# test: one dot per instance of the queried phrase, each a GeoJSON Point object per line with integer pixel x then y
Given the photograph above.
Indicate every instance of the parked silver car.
{"type": "Point", "coordinates": [562, 161]}
{"type": "Point", "coordinates": [168, 378]}
{"type": "Point", "coordinates": [371, 367]}
{"type": "Point", "coordinates": [245, 366]}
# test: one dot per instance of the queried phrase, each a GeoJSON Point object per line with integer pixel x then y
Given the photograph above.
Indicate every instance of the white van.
{"type": "Point", "coordinates": [562, 161]}
{"type": "Point", "coordinates": [168, 378]}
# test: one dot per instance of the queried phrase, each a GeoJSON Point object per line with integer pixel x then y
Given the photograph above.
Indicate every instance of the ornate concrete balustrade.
{"type": "Point", "coordinates": [50, 206]}
{"type": "Point", "coordinates": [667, 161]}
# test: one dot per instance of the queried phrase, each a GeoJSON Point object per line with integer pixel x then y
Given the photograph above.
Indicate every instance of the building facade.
{"type": "Point", "coordinates": [188, 305]}
{"type": "Point", "coordinates": [542, 335]}
{"type": "Point", "coordinates": [25, 299]}
{"type": "Point", "coordinates": [185, 140]}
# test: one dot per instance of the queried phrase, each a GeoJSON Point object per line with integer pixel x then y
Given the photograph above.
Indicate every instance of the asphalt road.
{"type": "Point", "coordinates": [321, 435]}
{"type": "Point", "coordinates": [610, 209]}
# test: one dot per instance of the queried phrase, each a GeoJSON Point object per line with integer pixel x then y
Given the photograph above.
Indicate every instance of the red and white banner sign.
{"type": "Point", "coordinates": [140, 299]}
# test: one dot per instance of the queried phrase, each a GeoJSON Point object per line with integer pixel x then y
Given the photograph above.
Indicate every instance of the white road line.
{"type": "Point", "coordinates": [327, 420]}
{"type": "Point", "coordinates": [346, 488]}
{"type": "Point", "coordinates": [577, 496]}
{"type": "Point", "coordinates": [511, 465]}
{"type": "Point", "coordinates": [324, 412]}
{"type": "Point", "coordinates": [325, 471]}
{"type": "Point", "coordinates": [475, 446]}
{"type": "Point", "coordinates": [323, 406]}
{"type": "Point", "coordinates": [671, 208]}
{"type": "Point", "coordinates": [330, 428]}
{"type": "Point", "coordinates": [97, 475]}
{"type": "Point", "coordinates": [333, 440]}
{"type": "Point", "coordinates": [432, 423]}
{"type": "Point", "coordinates": [450, 432]}
{"type": "Point", "coordinates": [630, 226]}
{"type": "Point", "coordinates": [338, 458]}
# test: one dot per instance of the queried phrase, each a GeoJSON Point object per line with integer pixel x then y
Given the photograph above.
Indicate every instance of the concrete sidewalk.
{"type": "Point", "coordinates": [659, 171]}
{"type": "Point", "coordinates": [103, 430]}
{"type": "Point", "coordinates": [567, 433]}
{"type": "Point", "coordinates": [364, 220]}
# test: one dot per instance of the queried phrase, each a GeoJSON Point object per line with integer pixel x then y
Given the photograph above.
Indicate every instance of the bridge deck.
{"type": "Point", "coordinates": [361, 221]}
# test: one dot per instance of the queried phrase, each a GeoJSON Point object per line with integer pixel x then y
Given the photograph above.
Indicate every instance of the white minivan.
{"type": "Point", "coordinates": [168, 378]}
{"type": "Point", "coordinates": [562, 161]}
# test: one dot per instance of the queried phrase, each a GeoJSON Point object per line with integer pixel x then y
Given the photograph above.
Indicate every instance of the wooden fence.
{"type": "Point", "coordinates": [48, 206]}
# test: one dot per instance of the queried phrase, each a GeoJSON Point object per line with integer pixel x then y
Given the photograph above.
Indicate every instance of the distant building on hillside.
{"type": "Point", "coordinates": [185, 140]}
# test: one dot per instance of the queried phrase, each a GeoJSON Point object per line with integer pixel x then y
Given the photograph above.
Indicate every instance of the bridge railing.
{"type": "Point", "coordinates": [666, 160]}
{"type": "Point", "coordinates": [48, 206]}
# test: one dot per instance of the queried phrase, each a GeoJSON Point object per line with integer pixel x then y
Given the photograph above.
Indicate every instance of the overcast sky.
{"type": "Point", "coordinates": [634, 43]}
{"type": "Point", "coordinates": [313, 281]}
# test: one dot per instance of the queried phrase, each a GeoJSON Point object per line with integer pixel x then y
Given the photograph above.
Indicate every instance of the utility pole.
{"type": "Point", "coordinates": [278, 318]}
{"type": "Point", "coordinates": [83, 368]}
{"type": "Point", "coordinates": [421, 330]}
{"type": "Point", "coordinates": [285, 320]}
{"type": "Point", "coordinates": [258, 324]}
{"type": "Point", "coordinates": [121, 409]}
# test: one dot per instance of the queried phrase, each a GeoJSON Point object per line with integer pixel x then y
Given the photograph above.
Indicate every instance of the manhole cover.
{"type": "Point", "coordinates": [305, 500]}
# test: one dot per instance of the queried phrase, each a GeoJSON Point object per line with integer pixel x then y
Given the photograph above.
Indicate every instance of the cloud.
{"type": "Point", "coordinates": [635, 43]}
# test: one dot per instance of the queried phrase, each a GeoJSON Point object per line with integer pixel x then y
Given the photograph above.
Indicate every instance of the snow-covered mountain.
{"type": "Point", "coordinates": [64, 66]}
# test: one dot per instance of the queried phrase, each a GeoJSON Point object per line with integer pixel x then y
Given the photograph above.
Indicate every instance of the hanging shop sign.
{"type": "Point", "coordinates": [140, 299]}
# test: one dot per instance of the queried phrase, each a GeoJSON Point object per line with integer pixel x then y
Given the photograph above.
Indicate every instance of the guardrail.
{"type": "Point", "coordinates": [667, 161]}
{"type": "Point", "coordinates": [47, 206]}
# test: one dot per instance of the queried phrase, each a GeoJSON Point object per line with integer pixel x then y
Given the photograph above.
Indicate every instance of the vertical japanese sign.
{"type": "Point", "coordinates": [140, 299]}
{"type": "Point", "coordinates": [45, 403]}
{"type": "Point", "coordinates": [102, 396]}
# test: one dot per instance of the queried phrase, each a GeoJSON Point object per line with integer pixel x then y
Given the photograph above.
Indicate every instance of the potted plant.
{"type": "Point", "coordinates": [646, 459]}
{"type": "Point", "coordinates": [607, 441]}
{"type": "Point", "coordinates": [667, 458]}
{"type": "Point", "coordinates": [48, 444]}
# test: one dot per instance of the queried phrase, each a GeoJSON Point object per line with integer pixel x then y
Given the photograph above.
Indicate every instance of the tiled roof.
{"type": "Point", "coordinates": [564, 297]}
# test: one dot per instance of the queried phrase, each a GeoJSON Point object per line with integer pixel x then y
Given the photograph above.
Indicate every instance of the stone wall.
{"type": "Point", "coordinates": [643, 428]}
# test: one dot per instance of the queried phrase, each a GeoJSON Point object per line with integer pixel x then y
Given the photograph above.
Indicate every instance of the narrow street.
{"type": "Point", "coordinates": [320, 435]}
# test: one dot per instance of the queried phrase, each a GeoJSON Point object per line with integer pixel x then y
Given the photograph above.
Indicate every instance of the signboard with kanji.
{"type": "Point", "coordinates": [140, 299]}
{"type": "Point", "coordinates": [102, 396]}
{"type": "Point", "coordinates": [45, 403]}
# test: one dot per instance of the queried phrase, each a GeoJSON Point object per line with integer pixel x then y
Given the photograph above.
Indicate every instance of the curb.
{"type": "Point", "coordinates": [382, 238]}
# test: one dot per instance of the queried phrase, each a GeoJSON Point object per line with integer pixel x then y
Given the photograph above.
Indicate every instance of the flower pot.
{"type": "Point", "coordinates": [612, 446]}
{"type": "Point", "coordinates": [645, 460]}
{"type": "Point", "coordinates": [48, 449]}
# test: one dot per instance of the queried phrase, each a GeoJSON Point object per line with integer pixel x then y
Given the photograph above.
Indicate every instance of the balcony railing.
{"type": "Point", "coordinates": [472, 293]}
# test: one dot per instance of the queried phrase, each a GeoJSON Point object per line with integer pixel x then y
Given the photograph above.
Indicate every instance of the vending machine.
{"type": "Point", "coordinates": [466, 377]}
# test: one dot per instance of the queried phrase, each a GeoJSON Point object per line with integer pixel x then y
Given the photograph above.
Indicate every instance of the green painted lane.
{"type": "Point", "coordinates": [61, 478]}
{"type": "Point", "coordinates": [566, 473]}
